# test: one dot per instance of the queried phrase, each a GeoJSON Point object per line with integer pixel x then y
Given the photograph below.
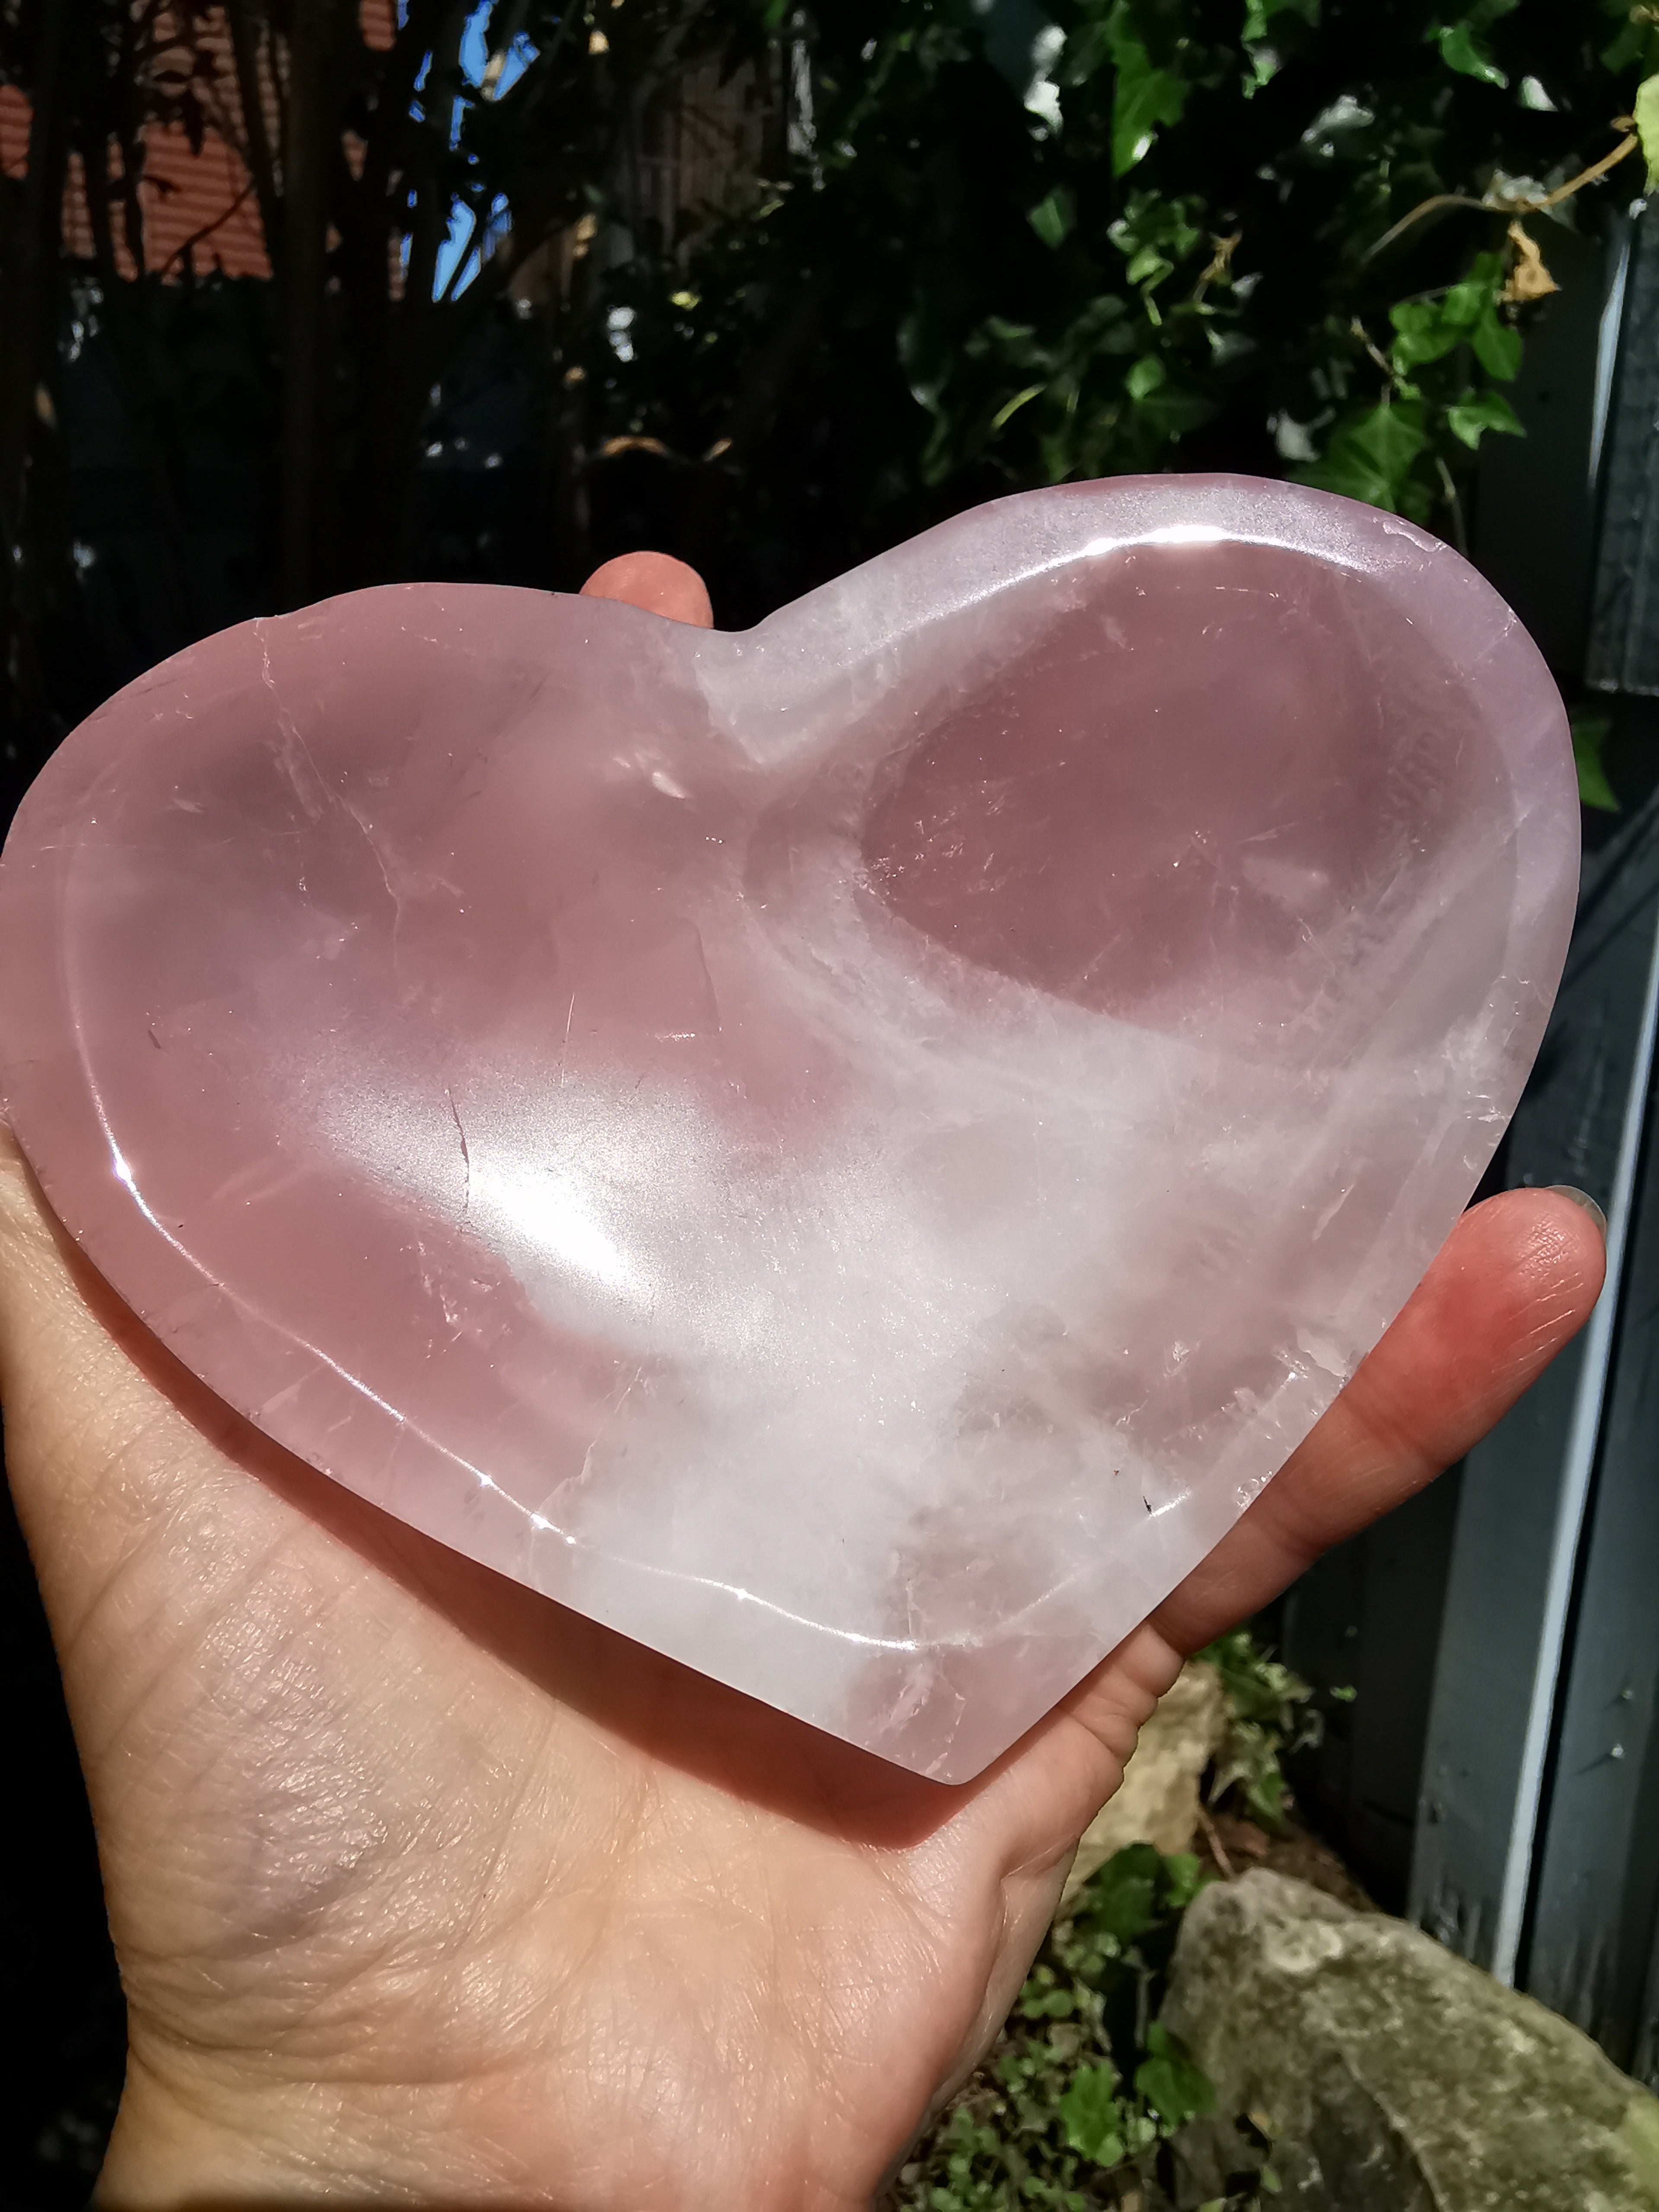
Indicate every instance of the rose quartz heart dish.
{"type": "Point", "coordinates": [850, 1152]}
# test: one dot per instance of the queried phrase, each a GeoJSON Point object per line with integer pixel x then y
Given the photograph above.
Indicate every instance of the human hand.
{"type": "Point", "coordinates": [428, 1891]}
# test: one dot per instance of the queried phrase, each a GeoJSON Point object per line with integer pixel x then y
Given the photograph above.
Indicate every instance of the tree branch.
{"type": "Point", "coordinates": [247, 42]}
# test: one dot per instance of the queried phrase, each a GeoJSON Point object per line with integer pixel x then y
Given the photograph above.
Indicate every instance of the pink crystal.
{"type": "Point", "coordinates": [849, 1151]}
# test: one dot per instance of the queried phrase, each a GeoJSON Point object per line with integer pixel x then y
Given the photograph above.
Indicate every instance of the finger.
{"type": "Point", "coordinates": [1515, 1280]}
{"type": "Point", "coordinates": [657, 582]}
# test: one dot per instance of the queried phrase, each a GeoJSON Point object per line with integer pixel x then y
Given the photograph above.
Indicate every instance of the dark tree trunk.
{"type": "Point", "coordinates": [249, 33]}
{"type": "Point", "coordinates": [27, 330]}
{"type": "Point", "coordinates": [305, 169]}
{"type": "Point", "coordinates": [32, 280]}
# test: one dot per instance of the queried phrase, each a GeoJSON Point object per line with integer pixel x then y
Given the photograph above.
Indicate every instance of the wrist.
{"type": "Point", "coordinates": [190, 2135]}
{"type": "Point", "coordinates": [181, 2141]}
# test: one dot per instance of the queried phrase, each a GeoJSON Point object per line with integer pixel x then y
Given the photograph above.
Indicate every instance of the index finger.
{"type": "Point", "coordinates": [1514, 1281]}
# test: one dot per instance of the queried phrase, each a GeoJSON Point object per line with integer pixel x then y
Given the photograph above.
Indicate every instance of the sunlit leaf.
{"type": "Point", "coordinates": [1186, 1878]}
{"type": "Point", "coordinates": [1265, 52]}
{"type": "Point", "coordinates": [1369, 456]}
{"type": "Point", "coordinates": [1176, 2087]}
{"type": "Point", "coordinates": [1472, 296]}
{"type": "Point", "coordinates": [1496, 347]}
{"type": "Point", "coordinates": [1590, 735]}
{"type": "Point", "coordinates": [1468, 419]}
{"type": "Point", "coordinates": [1646, 112]}
{"type": "Point", "coordinates": [1424, 332]}
{"type": "Point", "coordinates": [1124, 1899]}
{"type": "Point", "coordinates": [1259, 15]}
{"type": "Point", "coordinates": [1149, 267]}
{"type": "Point", "coordinates": [1052, 217]}
{"type": "Point", "coordinates": [1145, 96]}
{"type": "Point", "coordinates": [1462, 44]}
{"type": "Point", "coordinates": [1092, 2114]}
{"type": "Point", "coordinates": [1635, 44]}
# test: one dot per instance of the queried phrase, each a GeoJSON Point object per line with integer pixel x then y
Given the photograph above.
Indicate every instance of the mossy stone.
{"type": "Point", "coordinates": [1389, 2075]}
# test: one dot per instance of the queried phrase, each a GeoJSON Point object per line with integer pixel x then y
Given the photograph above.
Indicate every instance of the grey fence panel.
{"type": "Point", "coordinates": [1594, 1911]}
{"type": "Point", "coordinates": [1623, 654]}
{"type": "Point", "coordinates": [1478, 1816]}
{"type": "Point", "coordinates": [1367, 1620]}
{"type": "Point", "coordinates": [1370, 1616]}
{"type": "Point", "coordinates": [1534, 512]}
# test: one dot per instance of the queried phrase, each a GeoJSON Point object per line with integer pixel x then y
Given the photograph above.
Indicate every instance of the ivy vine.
{"type": "Point", "coordinates": [1041, 240]}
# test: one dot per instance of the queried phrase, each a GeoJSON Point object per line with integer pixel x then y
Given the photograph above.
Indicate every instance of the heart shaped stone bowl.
{"type": "Point", "coordinates": [850, 1152]}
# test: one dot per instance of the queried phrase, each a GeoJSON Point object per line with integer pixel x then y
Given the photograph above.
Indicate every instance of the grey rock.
{"type": "Point", "coordinates": [1387, 2074]}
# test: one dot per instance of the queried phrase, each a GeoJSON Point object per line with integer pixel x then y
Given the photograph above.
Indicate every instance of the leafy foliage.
{"type": "Point", "coordinates": [1590, 735]}
{"type": "Point", "coordinates": [976, 248]}
{"type": "Point", "coordinates": [1272, 1717]}
{"type": "Point", "coordinates": [1085, 2086]}
{"type": "Point", "coordinates": [1268, 235]}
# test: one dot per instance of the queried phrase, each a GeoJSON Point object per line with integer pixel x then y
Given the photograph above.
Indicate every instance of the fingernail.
{"type": "Point", "coordinates": [1583, 1197]}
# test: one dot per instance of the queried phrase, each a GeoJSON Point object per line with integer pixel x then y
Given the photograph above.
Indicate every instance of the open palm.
{"type": "Point", "coordinates": [427, 1890]}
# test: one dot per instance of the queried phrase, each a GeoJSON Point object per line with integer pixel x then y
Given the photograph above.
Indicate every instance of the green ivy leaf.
{"type": "Point", "coordinates": [1263, 52]}
{"type": "Point", "coordinates": [1462, 44]}
{"type": "Point", "coordinates": [1393, 437]}
{"type": "Point", "coordinates": [1476, 295]}
{"type": "Point", "coordinates": [1470, 417]}
{"type": "Point", "coordinates": [1590, 735]}
{"type": "Point", "coordinates": [1424, 332]}
{"type": "Point", "coordinates": [1149, 267]}
{"type": "Point", "coordinates": [1646, 112]}
{"type": "Point", "coordinates": [1636, 43]}
{"type": "Point", "coordinates": [1370, 458]}
{"type": "Point", "coordinates": [1154, 234]}
{"type": "Point", "coordinates": [1092, 2114]}
{"type": "Point", "coordinates": [1186, 1877]}
{"type": "Point", "coordinates": [1145, 96]}
{"type": "Point", "coordinates": [1466, 313]}
{"type": "Point", "coordinates": [1123, 1901]}
{"type": "Point", "coordinates": [1497, 346]}
{"type": "Point", "coordinates": [1460, 50]}
{"type": "Point", "coordinates": [1053, 217]}
{"type": "Point", "coordinates": [1176, 2087]}
{"type": "Point", "coordinates": [1144, 379]}
{"type": "Point", "coordinates": [1259, 15]}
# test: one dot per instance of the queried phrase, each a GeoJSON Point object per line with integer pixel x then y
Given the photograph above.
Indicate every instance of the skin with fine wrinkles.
{"type": "Point", "coordinates": [428, 1892]}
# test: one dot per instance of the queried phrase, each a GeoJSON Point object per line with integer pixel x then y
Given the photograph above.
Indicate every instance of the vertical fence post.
{"type": "Point", "coordinates": [1534, 1852]}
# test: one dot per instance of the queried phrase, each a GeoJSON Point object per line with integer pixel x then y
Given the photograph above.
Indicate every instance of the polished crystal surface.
{"type": "Point", "coordinates": [850, 1152]}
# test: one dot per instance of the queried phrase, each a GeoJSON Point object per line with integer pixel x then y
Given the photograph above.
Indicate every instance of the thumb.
{"type": "Point", "coordinates": [657, 582]}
